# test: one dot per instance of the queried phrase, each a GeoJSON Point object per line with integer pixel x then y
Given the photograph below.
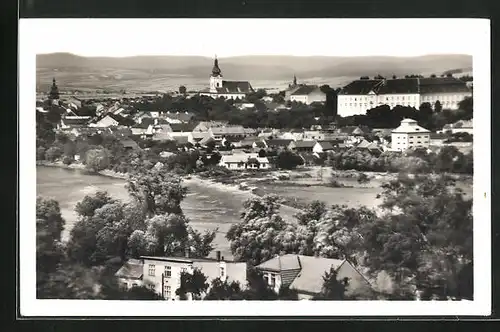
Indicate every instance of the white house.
{"type": "Point", "coordinates": [241, 161]}
{"type": "Point", "coordinates": [313, 135]}
{"type": "Point", "coordinates": [459, 127]}
{"type": "Point", "coordinates": [106, 121]}
{"type": "Point", "coordinates": [409, 135]}
{"type": "Point", "coordinates": [308, 94]}
{"type": "Point", "coordinates": [321, 147]}
{"type": "Point", "coordinates": [163, 274]}
{"type": "Point", "coordinates": [226, 89]}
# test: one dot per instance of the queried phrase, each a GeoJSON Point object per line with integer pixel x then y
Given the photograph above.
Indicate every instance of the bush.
{"type": "Point", "coordinates": [335, 184]}
{"type": "Point", "coordinates": [97, 159]}
{"type": "Point", "coordinates": [363, 178]}
{"type": "Point", "coordinates": [288, 160]}
{"type": "Point", "coordinates": [53, 153]}
{"type": "Point", "coordinates": [67, 160]}
{"type": "Point", "coordinates": [40, 153]}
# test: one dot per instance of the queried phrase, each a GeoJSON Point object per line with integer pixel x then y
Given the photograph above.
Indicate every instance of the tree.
{"type": "Point", "coordinates": [49, 219]}
{"type": "Point", "coordinates": [363, 178]}
{"type": "Point", "coordinates": [159, 192]}
{"type": "Point", "coordinates": [332, 288]}
{"type": "Point", "coordinates": [182, 90]}
{"type": "Point", "coordinates": [90, 203]}
{"type": "Point", "coordinates": [224, 290]}
{"type": "Point", "coordinates": [192, 283]}
{"type": "Point", "coordinates": [288, 160]}
{"type": "Point", "coordinates": [53, 153]}
{"type": "Point", "coordinates": [40, 153]}
{"type": "Point", "coordinates": [425, 239]}
{"type": "Point", "coordinates": [438, 107]}
{"type": "Point", "coordinates": [97, 159]}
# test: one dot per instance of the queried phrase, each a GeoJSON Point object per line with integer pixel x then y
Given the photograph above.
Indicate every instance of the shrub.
{"type": "Point", "coordinates": [67, 160]}
{"type": "Point", "coordinates": [363, 178]}
{"type": "Point", "coordinates": [53, 153]}
{"type": "Point", "coordinates": [40, 153]}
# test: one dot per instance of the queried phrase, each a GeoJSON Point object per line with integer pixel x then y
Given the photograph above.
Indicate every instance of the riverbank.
{"type": "Point", "coordinates": [81, 167]}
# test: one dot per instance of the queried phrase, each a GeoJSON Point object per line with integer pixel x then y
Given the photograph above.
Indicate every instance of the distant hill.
{"type": "Point", "coordinates": [102, 71]}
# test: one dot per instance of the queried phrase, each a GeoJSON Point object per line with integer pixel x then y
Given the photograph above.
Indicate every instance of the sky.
{"type": "Point", "coordinates": [234, 37]}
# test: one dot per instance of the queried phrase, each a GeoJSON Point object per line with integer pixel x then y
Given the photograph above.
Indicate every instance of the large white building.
{"type": "Point", "coordinates": [308, 94]}
{"type": "Point", "coordinates": [163, 274]}
{"type": "Point", "coordinates": [361, 95]}
{"type": "Point", "coordinates": [227, 89]}
{"type": "Point", "coordinates": [409, 135]}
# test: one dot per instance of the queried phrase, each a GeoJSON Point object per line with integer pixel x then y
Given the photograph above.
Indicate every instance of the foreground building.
{"type": "Point", "coordinates": [409, 135]}
{"type": "Point", "coordinates": [361, 95]}
{"type": "Point", "coordinates": [163, 274]}
{"type": "Point", "coordinates": [226, 89]}
{"type": "Point", "coordinates": [305, 275]}
{"type": "Point", "coordinates": [242, 161]}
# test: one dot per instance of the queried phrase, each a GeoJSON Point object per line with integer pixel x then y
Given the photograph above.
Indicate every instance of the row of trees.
{"type": "Point", "coordinates": [448, 160]}
{"type": "Point", "coordinates": [421, 236]}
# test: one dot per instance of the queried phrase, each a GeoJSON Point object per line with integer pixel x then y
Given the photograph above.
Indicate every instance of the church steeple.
{"type": "Point", "coordinates": [294, 80]}
{"type": "Point", "coordinates": [216, 70]}
{"type": "Point", "coordinates": [54, 90]}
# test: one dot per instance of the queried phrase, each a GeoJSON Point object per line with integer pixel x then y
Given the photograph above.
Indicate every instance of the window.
{"type": "Point", "coordinates": [411, 136]}
{"type": "Point", "coordinates": [418, 136]}
{"type": "Point", "coordinates": [266, 279]}
{"type": "Point", "coordinates": [168, 271]}
{"type": "Point", "coordinates": [222, 272]}
{"type": "Point", "coordinates": [151, 270]}
{"type": "Point", "coordinates": [273, 280]}
{"type": "Point", "coordinates": [403, 98]}
{"type": "Point", "coordinates": [168, 292]}
{"type": "Point", "coordinates": [418, 142]}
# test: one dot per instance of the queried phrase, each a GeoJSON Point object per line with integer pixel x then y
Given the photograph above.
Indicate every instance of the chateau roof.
{"type": "Point", "coordinates": [304, 90]}
{"type": "Point", "coordinates": [360, 87]}
{"type": "Point", "coordinates": [399, 86]}
{"type": "Point", "coordinates": [235, 87]}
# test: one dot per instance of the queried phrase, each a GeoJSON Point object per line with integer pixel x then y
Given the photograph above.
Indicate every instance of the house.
{"type": "Point", "coordinates": [322, 146]}
{"type": "Point", "coordinates": [278, 143]}
{"type": "Point", "coordinates": [459, 127]}
{"type": "Point", "coordinates": [106, 121]}
{"type": "Point", "coordinates": [409, 135]}
{"type": "Point", "coordinates": [226, 89]}
{"type": "Point", "coordinates": [308, 94]}
{"type": "Point", "coordinates": [304, 274]}
{"type": "Point", "coordinates": [437, 139]}
{"type": "Point", "coordinates": [259, 145]}
{"type": "Point", "coordinates": [312, 135]}
{"type": "Point", "coordinates": [163, 274]}
{"type": "Point", "coordinates": [294, 134]}
{"type": "Point", "coordinates": [178, 117]}
{"type": "Point", "coordinates": [267, 99]}
{"type": "Point", "coordinates": [206, 141]}
{"type": "Point", "coordinates": [450, 91]}
{"type": "Point", "coordinates": [139, 129]}
{"type": "Point", "coordinates": [241, 161]}
{"type": "Point", "coordinates": [218, 133]}
{"type": "Point", "coordinates": [244, 106]}
{"type": "Point", "coordinates": [182, 127]}
{"type": "Point", "coordinates": [247, 142]}
{"type": "Point", "coordinates": [129, 144]}
{"type": "Point", "coordinates": [161, 132]}
{"type": "Point", "coordinates": [302, 146]}
{"type": "Point", "coordinates": [198, 137]}
{"type": "Point", "coordinates": [204, 126]}
{"type": "Point", "coordinates": [69, 122]}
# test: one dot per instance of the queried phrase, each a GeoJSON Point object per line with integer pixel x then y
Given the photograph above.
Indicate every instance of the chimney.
{"type": "Point", "coordinates": [186, 252]}
{"type": "Point", "coordinates": [218, 256]}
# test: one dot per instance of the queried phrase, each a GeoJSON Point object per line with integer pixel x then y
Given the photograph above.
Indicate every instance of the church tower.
{"type": "Point", "coordinates": [54, 92]}
{"type": "Point", "coordinates": [216, 77]}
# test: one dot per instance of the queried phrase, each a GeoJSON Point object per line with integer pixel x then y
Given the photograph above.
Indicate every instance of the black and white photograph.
{"type": "Point", "coordinates": [171, 171]}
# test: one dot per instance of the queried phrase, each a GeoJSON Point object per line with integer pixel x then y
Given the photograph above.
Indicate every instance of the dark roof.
{"type": "Point", "coordinates": [278, 142]}
{"type": "Point", "coordinates": [360, 87]}
{"type": "Point", "coordinates": [325, 145]}
{"type": "Point", "coordinates": [182, 127]}
{"type": "Point", "coordinates": [260, 144]}
{"type": "Point", "coordinates": [75, 121]}
{"type": "Point", "coordinates": [304, 90]}
{"type": "Point", "coordinates": [141, 125]}
{"type": "Point", "coordinates": [442, 84]}
{"type": "Point", "coordinates": [181, 139]}
{"type": "Point", "coordinates": [132, 269]}
{"type": "Point", "coordinates": [129, 143]}
{"type": "Point", "coordinates": [305, 144]}
{"type": "Point", "coordinates": [399, 86]}
{"type": "Point", "coordinates": [235, 87]}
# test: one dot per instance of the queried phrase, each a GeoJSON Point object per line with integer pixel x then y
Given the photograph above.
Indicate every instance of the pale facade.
{"type": "Point", "coordinates": [409, 135]}
{"type": "Point", "coordinates": [448, 100]}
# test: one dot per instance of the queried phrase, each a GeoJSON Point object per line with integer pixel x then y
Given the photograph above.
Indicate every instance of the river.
{"type": "Point", "coordinates": [206, 207]}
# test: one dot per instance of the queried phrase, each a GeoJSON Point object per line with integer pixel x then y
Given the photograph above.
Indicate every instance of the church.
{"type": "Point", "coordinates": [226, 89]}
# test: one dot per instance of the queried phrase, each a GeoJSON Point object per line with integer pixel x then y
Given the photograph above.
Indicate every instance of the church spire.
{"type": "Point", "coordinates": [54, 90]}
{"type": "Point", "coordinates": [216, 70]}
{"type": "Point", "coordinates": [294, 80]}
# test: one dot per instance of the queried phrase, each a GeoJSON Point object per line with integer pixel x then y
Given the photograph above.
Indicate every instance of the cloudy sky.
{"type": "Point", "coordinates": [232, 37]}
